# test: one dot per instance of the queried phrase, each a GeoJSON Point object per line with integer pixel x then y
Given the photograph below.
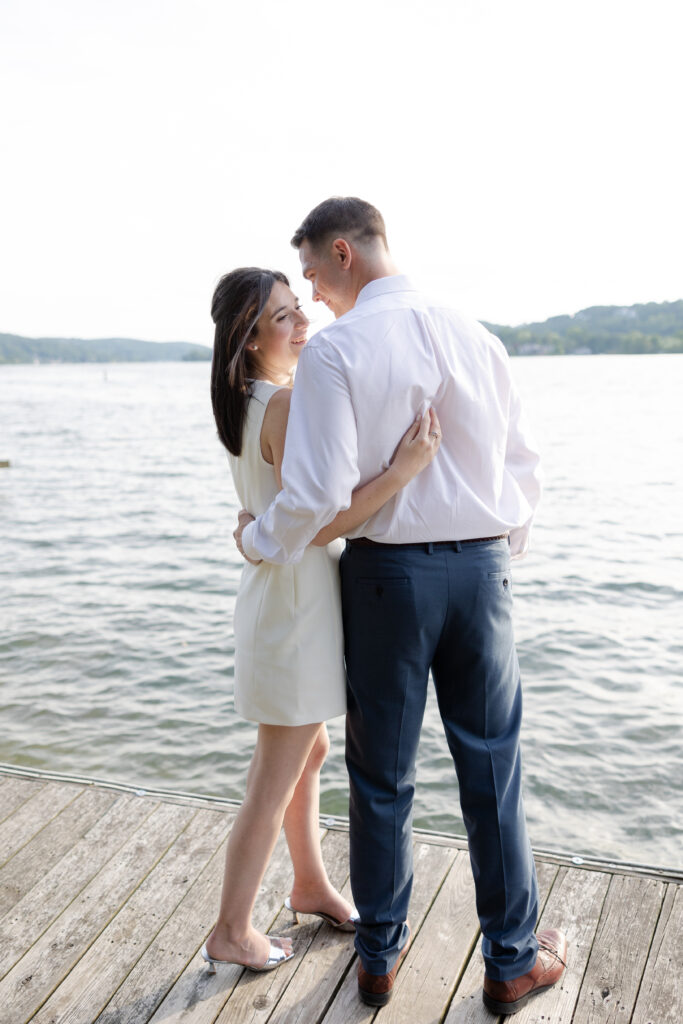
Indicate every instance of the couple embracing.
{"type": "Point", "coordinates": [405, 435]}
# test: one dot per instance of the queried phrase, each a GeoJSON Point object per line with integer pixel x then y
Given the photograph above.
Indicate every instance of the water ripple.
{"type": "Point", "coordinates": [118, 576]}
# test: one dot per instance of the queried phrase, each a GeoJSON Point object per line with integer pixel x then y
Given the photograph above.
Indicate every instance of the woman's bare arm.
{"type": "Point", "coordinates": [417, 448]}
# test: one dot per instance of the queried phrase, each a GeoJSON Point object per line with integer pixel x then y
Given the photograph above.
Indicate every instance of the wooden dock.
{"type": "Point", "coordinates": [107, 894]}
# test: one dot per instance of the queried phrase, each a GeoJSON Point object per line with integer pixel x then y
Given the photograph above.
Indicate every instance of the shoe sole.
{"type": "Point", "coordinates": [506, 1008]}
{"type": "Point", "coordinates": [341, 926]}
{"type": "Point", "coordinates": [374, 998]}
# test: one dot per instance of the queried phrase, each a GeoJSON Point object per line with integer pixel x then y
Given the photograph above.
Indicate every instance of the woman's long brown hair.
{"type": "Point", "coordinates": [237, 304]}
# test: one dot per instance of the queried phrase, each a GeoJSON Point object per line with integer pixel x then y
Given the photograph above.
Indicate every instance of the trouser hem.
{"type": "Point", "coordinates": [511, 971]}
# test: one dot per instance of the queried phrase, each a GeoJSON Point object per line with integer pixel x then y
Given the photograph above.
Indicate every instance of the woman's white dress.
{"type": "Point", "coordinates": [289, 649]}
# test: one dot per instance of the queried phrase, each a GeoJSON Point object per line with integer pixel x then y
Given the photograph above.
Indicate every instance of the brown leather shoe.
{"type": "Point", "coordinates": [375, 989]}
{"type": "Point", "coordinates": [510, 996]}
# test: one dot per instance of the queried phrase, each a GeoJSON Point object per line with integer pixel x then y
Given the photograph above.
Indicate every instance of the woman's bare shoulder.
{"type": "Point", "coordinates": [280, 399]}
{"type": "Point", "coordinates": [278, 409]}
{"type": "Point", "coordinates": [274, 425]}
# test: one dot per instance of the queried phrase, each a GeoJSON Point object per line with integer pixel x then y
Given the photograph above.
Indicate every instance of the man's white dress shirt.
{"type": "Point", "coordinates": [360, 383]}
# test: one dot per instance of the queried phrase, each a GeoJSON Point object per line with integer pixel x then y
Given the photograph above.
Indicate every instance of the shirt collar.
{"type": "Point", "coordinates": [385, 285]}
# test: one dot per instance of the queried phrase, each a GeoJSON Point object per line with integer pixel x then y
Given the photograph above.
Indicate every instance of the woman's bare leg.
{"type": "Point", "coordinates": [279, 759]}
{"type": "Point", "coordinates": [312, 889]}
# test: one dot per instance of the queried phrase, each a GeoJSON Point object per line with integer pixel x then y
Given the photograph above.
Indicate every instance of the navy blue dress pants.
{"type": "Point", "coordinates": [407, 609]}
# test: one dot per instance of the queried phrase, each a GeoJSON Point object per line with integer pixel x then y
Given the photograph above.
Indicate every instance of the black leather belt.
{"type": "Point", "coordinates": [365, 542]}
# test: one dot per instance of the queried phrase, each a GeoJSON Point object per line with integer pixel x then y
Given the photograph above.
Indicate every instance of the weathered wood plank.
{"type": "Point", "coordinates": [32, 816]}
{"type": "Point", "coordinates": [35, 911]}
{"type": "Point", "coordinates": [33, 979]}
{"type": "Point", "coordinates": [162, 963]}
{"type": "Point", "coordinates": [431, 865]}
{"type": "Point", "coordinates": [467, 1006]}
{"type": "Point", "coordinates": [660, 1000]}
{"type": "Point", "coordinates": [198, 997]}
{"type": "Point", "coordinates": [440, 952]}
{"type": "Point", "coordinates": [301, 989]}
{"type": "Point", "coordinates": [16, 792]}
{"type": "Point", "coordinates": [34, 860]}
{"type": "Point", "coordinates": [620, 950]}
{"type": "Point", "coordinates": [574, 905]}
{"type": "Point", "coordinates": [94, 979]}
{"type": "Point", "coordinates": [94, 929]}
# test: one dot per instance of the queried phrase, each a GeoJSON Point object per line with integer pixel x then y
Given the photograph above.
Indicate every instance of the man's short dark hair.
{"type": "Point", "coordinates": [341, 217]}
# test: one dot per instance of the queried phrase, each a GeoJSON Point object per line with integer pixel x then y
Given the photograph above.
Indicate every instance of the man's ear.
{"type": "Point", "coordinates": [341, 253]}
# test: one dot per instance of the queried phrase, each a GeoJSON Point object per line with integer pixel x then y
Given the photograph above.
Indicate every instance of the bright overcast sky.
{"type": "Point", "coordinates": [526, 154]}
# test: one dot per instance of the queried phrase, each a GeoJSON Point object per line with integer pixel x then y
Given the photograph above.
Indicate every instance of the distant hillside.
{"type": "Point", "coordinates": [651, 327]}
{"type": "Point", "coordinates": [15, 349]}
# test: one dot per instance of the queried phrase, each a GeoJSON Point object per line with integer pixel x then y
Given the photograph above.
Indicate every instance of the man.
{"type": "Point", "coordinates": [425, 585]}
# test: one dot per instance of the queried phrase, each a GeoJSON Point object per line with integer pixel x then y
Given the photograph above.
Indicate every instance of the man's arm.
{"type": "Point", "coordinates": [522, 460]}
{"type": "Point", "coordinates": [320, 467]}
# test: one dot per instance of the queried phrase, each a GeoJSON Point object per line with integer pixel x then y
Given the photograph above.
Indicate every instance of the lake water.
{"type": "Point", "coordinates": [118, 575]}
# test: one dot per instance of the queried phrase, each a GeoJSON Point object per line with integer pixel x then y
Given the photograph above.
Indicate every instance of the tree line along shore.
{"type": "Point", "coordinates": [649, 327]}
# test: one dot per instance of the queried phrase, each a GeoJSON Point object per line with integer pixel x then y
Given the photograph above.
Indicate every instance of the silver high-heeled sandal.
{"type": "Point", "coordinates": [277, 957]}
{"type": "Point", "coordinates": [349, 925]}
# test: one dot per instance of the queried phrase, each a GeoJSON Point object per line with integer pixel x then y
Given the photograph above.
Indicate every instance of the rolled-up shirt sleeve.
{"type": "Point", "coordinates": [522, 461]}
{"type": "Point", "coordinates": [320, 466]}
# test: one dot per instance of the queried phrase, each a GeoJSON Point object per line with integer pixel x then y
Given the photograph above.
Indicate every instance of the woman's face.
{"type": "Point", "coordinates": [280, 333]}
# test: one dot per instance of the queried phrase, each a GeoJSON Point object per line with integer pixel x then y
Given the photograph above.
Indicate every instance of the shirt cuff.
{"type": "Point", "coordinates": [519, 542]}
{"type": "Point", "coordinates": [247, 541]}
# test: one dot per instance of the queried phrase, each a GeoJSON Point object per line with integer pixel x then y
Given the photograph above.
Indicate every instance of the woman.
{"type": "Point", "coordinates": [289, 674]}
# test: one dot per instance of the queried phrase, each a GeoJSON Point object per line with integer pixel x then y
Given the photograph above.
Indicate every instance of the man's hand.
{"type": "Point", "coordinates": [243, 517]}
